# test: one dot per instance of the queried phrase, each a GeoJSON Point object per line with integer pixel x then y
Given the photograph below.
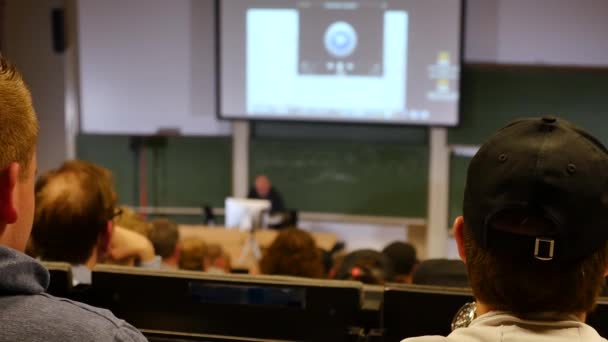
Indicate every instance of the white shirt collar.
{"type": "Point", "coordinates": [81, 275]}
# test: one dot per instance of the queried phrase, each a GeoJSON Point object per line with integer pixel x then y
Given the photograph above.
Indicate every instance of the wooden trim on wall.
{"type": "Point", "coordinates": [2, 5]}
{"type": "Point", "coordinates": [306, 216]}
{"type": "Point", "coordinates": [517, 66]}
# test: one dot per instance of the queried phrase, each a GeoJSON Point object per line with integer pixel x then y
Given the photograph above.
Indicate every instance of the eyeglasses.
{"type": "Point", "coordinates": [117, 213]}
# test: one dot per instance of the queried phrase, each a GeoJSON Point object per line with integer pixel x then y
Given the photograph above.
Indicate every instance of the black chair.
{"type": "Point", "coordinates": [160, 336]}
{"type": "Point", "coordinates": [61, 278]}
{"type": "Point", "coordinates": [441, 272]}
{"type": "Point", "coordinates": [417, 310]}
{"type": "Point", "coordinates": [599, 317]}
{"type": "Point", "coordinates": [370, 316]}
{"type": "Point", "coordinates": [280, 308]}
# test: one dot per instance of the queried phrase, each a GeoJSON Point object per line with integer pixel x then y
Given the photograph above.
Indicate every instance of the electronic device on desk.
{"type": "Point", "coordinates": [261, 307]}
{"type": "Point", "coordinates": [246, 214]}
{"type": "Point", "coordinates": [417, 310]}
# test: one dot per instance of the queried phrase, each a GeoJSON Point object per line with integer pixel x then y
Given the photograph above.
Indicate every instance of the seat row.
{"type": "Point", "coordinates": [172, 305]}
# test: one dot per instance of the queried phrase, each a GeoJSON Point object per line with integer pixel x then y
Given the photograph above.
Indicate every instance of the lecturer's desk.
{"type": "Point", "coordinates": [233, 240]}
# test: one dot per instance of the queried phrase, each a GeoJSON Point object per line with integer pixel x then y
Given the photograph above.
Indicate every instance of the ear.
{"type": "Point", "coordinates": [177, 253]}
{"type": "Point", "coordinates": [8, 180]}
{"type": "Point", "coordinates": [106, 238]}
{"type": "Point", "coordinates": [458, 232]}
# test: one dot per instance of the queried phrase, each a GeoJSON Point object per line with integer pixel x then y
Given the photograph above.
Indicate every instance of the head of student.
{"type": "Point", "coordinates": [263, 185]}
{"type": "Point", "coordinates": [403, 257]}
{"type": "Point", "coordinates": [192, 254]}
{"type": "Point", "coordinates": [75, 206]}
{"type": "Point", "coordinates": [535, 227]}
{"type": "Point", "coordinates": [164, 235]}
{"type": "Point", "coordinates": [18, 137]}
{"type": "Point", "coordinates": [294, 253]}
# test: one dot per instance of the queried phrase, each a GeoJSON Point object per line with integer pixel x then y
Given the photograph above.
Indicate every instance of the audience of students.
{"type": "Point", "coordinates": [29, 314]}
{"type": "Point", "coordinates": [164, 235]}
{"type": "Point", "coordinates": [532, 240]}
{"type": "Point", "coordinates": [293, 253]}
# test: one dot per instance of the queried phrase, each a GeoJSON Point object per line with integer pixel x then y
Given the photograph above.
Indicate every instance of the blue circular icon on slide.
{"type": "Point", "coordinates": [340, 39]}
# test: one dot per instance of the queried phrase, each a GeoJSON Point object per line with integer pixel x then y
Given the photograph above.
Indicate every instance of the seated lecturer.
{"type": "Point", "coordinates": [280, 216]}
{"type": "Point", "coordinates": [263, 189]}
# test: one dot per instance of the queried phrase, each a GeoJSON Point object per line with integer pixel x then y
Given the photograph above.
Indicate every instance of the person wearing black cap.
{"type": "Point", "coordinates": [534, 234]}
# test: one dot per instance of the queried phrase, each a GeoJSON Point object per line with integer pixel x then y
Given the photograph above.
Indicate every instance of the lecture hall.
{"type": "Point", "coordinates": [304, 170]}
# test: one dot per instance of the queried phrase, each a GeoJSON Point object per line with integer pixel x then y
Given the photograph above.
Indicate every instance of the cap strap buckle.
{"type": "Point", "coordinates": [548, 247]}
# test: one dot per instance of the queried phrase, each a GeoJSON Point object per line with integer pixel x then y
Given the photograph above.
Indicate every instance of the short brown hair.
{"type": "Point", "coordinates": [192, 254]}
{"type": "Point", "coordinates": [295, 253]}
{"type": "Point", "coordinates": [216, 257]}
{"type": "Point", "coordinates": [521, 286]}
{"type": "Point", "coordinates": [73, 206]}
{"type": "Point", "coordinates": [18, 122]}
{"type": "Point", "coordinates": [164, 236]}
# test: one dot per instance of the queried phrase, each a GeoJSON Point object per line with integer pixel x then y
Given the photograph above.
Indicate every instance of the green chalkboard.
{"type": "Point", "coordinates": [375, 170]}
{"type": "Point", "coordinates": [180, 171]}
{"type": "Point", "coordinates": [385, 179]}
{"type": "Point", "coordinates": [357, 169]}
{"type": "Point", "coordinates": [197, 171]}
{"type": "Point", "coordinates": [495, 95]}
{"type": "Point", "coordinates": [111, 152]}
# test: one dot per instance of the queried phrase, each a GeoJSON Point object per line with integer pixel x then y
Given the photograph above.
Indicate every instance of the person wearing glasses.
{"type": "Point", "coordinates": [74, 221]}
{"type": "Point", "coordinates": [28, 313]}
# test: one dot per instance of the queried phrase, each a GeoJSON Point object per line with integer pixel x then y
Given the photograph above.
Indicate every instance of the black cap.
{"type": "Point", "coordinates": [547, 167]}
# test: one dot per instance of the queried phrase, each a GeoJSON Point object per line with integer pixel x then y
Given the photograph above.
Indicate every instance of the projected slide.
{"type": "Point", "coordinates": [364, 61]}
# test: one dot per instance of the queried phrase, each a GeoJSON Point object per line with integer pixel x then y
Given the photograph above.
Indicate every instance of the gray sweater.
{"type": "Point", "coordinates": [29, 314]}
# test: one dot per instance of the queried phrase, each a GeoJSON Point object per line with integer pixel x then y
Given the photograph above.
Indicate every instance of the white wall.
{"type": "Point", "coordinates": [481, 30]}
{"type": "Point", "coordinates": [563, 32]}
{"type": "Point", "coordinates": [27, 42]}
{"type": "Point", "coordinates": [146, 65]}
